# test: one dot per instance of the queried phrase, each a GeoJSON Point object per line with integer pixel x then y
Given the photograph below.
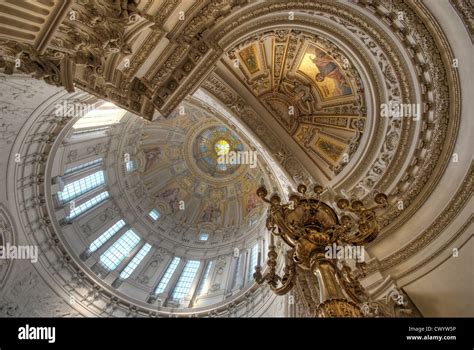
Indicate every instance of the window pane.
{"type": "Point", "coordinates": [130, 165]}
{"type": "Point", "coordinates": [186, 280]}
{"type": "Point", "coordinates": [118, 251]}
{"type": "Point", "coordinates": [167, 276]}
{"type": "Point", "coordinates": [83, 166]}
{"type": "Point", "coordinates": [88, 205]}
{"type": "Point", "coordinates": [106, 235]}
{"type": "Point", "coordinates": [252, 262]}
{"type": "Point", "coordinates": [203, 236]}
{"type": "Point", "coordinates": [154, 214]}
{"type": "Point", "coordinates": [203, 283]}
{"type": "Point", "coordinates": [253, 221]}
{"type": "Point", "coordinates": [90, 131]}
{"type": "Point", "coordinates": [237, 274]}
{"type": "Point", "coordinates": [81, 186]}
{"type": "Point", "coordinates": [137, 259]}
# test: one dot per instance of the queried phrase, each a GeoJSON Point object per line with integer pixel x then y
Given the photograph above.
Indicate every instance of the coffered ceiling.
{"type": "Point", "coordinates": [309, 87]}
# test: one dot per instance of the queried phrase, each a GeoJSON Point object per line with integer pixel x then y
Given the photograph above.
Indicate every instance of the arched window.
{"type": "Point", "coordinates": [81, 186]}
{"type": "Point", "coordinates": [252, 262]}
{"type": "Point", "coordinates": [203, 236]}
{"type": "Point", "coordinates": [105, 114]}
{"type": "Point", "coordinates": [88, 205]}
{"type": "Point", "coordinates": [203, 284]}
{"type": "Point", "coordinates": [167, 276]}
{"type": "Point", "coordinates": [130, 166]}
{"type": "Point", "coordinates": [106, 235]}
{"type": "Point", "coordinates": [118, 251]}
{"type": "Point", "coordinates": [137, 259]}
{"type": "Point", "coordinates": [185, 280]}
{"type": "Point", "coordinates": [154, 214]}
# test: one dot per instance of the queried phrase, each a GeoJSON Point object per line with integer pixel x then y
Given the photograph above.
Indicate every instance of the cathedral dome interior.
{"type": "Point", "coordinates": [180, 204]}
{"type": "Point", "coordinates": [202, 158]}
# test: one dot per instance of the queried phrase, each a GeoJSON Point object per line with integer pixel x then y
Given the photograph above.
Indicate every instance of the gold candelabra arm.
{"type": "Point", "coordinates": [366, 229]}
{"type": "Point", "coordinates": [271, 277]}
{"type": "Point", "coordinates": [279, 285]}
{"type": "Point", "coordinates": [362, 268]}
{"type": "Point", "coordinates": [288, 279]}
{"type": "Point", "coordinates": [350, 282]}
{"type": "Point", "coordinates": [258, 277]}
{"type": "Point", "coordinates": [309, 226]}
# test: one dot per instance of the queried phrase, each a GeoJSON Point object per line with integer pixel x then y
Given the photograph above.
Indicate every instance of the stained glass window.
{"type": "Point", "coordinates": [213, 149]}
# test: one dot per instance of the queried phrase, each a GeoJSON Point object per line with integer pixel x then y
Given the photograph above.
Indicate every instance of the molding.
{"type": "Point", "coordinates": [438, 252]}
{"type": "Point", "coordinates": [460, 199]}
{"type": "Point", "coordinates": [7, 235]}
{"type": "Point", "coordinates": [464, 9]}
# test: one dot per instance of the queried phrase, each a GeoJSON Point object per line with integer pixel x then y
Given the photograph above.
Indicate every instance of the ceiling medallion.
{"type": "Point", "coordinates": [222, 147]}
{"type": "Point", "coordinates": [214, 144]}
{"type": "Point", "coordinates": [212, 153]}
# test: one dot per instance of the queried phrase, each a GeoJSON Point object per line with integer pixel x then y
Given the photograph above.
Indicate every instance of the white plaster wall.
{"type": "Point", "coordinates": [24, 293]}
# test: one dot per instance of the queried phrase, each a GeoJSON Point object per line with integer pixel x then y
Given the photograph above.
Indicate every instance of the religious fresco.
{"type": "Point", "coordinates": [329, 148]}
{"type": "Point", "coordinates": [326, 74]}
{"type": "Point", "coordinates": [171, 196]}
{"type": "Point", "coordinates": [303, 134]}
{"type": "Point", "coordinates": [212, 143]}
{"type": "Point", "coordinates": [279, 108]}
{"type": "Point", "coordinates": [152, 155]}
{"type": "Point", "coordinates": [211, 213]}
{"type": "Point", "coordinates": [252, 201]}
{"type": "Point", "coordinates": [250, 59]}
{"type": "Point", "coordinates": [303, 79]}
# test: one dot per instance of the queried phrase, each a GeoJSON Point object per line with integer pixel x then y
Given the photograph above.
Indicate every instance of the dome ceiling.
{"type": "Point", "coordinates": [310, 91]}
{"type": "Point", "coordinates": [210, 148]}
{"type": "Point", "coordinates": [182, 189]}
{"type": "Point", "coordinates": [310, 87]}
{"type": "Point", "coordinates": [179, 172]}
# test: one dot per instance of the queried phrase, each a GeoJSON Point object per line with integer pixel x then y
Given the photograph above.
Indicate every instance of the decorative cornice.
{"type": "Point", "coordinates": [444, 130]}
{"type": "Point", "coordinates": [440, 250]}
{"type": "Point", "coordinates": [462, 196]}
{"type": "Point", "coordinates": [465, 10]}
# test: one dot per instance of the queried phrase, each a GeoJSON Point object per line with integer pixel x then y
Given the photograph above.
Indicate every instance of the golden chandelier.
{"type": "Point", "coordinates": [311, 228]}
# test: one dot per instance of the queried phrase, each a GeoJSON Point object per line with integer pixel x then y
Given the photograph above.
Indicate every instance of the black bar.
{"type": "Point", "coordinates": [331, 334]}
